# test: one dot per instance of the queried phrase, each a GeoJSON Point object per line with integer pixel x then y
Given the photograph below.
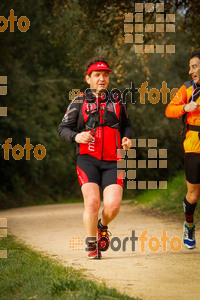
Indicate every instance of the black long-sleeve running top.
{"type": "Point", "coordinates": [111, 126]}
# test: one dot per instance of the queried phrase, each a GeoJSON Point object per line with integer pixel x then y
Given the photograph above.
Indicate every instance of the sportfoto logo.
{"type": "Point", "coordinates": [116, 244]}
{"type": "Point", "coordinates": [128, 164]}
{"type": "Point", "coordinates": [3, 92]}
{"type": "Point", "coordinates": [153, 95]}
{"type": "Point", "coordinates": [3, 234]}
{"type": "Point", "coordinates": [161, 24]}
{"type": "Point", "coordinates": [18, 151]}
{"type": "Point", "coordinates": [23, 22]}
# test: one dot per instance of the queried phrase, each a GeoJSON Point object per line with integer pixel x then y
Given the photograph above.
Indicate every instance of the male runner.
{"type": "Point", "coordinates": [102, 126]}
{"type": "Point", "coordinates": [187, 101]}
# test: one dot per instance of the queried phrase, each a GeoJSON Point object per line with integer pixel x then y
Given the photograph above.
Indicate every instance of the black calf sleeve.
{"type": "Point", "coordinates": [188, 210]}
{"type": "Point", "coordinates": [101, 226]}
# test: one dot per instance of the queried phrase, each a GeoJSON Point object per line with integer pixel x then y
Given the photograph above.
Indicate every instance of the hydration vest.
{"type": "Point", "coordinates": [193, 94]}
{"type": "Point", "coordinates": [101, 115]}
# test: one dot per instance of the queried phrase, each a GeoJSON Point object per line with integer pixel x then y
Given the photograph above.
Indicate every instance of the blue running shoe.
{"type": "Point", "coordinates": [189, 236]}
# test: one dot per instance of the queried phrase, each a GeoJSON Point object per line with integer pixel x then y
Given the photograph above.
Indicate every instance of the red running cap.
{"type": "Point", "coordinates": [100, 66]}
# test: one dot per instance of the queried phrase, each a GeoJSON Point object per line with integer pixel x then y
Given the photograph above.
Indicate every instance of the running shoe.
{"type": "Point", "coordinates": [189, 236]}
{"type": "Point", "coordinates": [103, 238]}
{"type": "Point", "coordinates": [95, 253]}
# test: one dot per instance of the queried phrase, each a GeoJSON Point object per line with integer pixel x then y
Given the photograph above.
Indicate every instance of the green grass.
{"type": "Point", "coordinates": [169, 200]}
{"type": "Point", "coordinates": [26, 274]}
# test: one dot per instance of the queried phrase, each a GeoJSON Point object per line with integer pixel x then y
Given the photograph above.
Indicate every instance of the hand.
{"type": "Point", "coordinates": [126, 143]}
{"type": "Point", "coordinates": [84, 137]}
{"type": "Point", "coordinates": [190, 107]}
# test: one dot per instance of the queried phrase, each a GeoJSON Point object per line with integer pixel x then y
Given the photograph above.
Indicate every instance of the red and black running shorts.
{"type": "Point", "coordinates": [102, 172]}
{"type": "Point", "coordinates": [192, 167]}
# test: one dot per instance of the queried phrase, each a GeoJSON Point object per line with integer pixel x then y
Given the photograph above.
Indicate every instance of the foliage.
{"type": "Point", "coordinates": [46, 62]}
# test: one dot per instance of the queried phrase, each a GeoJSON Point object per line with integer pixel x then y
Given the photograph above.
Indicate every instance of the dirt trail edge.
{"type": "Point", "coordinates": [147, 274]}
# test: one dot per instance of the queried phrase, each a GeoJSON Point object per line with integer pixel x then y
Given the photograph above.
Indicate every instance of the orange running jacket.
{"type": "Point", "coordinates": [175, 110]}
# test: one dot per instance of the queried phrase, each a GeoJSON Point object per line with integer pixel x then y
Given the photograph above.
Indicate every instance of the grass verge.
{"type": "Point", "coordinates": [26, 274]}
{"type": "Point", "coordinates": [169, 200]}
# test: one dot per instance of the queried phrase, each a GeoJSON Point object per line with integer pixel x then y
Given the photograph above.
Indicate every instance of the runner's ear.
{"type": "Point", "coordinates": [87, 79]}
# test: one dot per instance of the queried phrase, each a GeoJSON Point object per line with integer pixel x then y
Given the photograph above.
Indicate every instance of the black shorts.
{"type": "Point", "coordinates": [192, 167]}
{"type": "Point", "coordinates": [102, 172]}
